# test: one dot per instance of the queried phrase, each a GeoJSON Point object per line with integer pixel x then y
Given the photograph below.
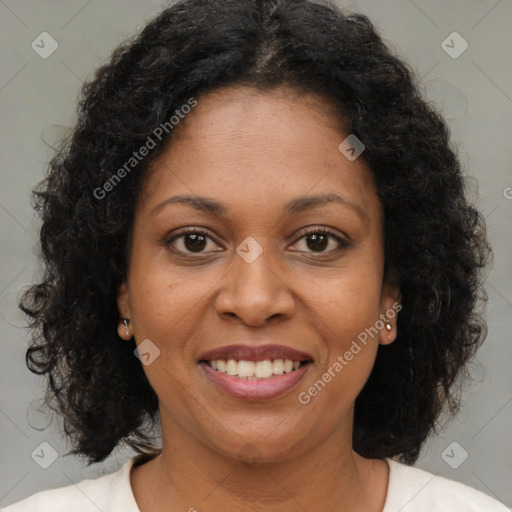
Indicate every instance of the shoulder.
{"type": "Point", "coordinates": [412, 489]}
{"type": "Point", "coordinates": [110, 492]}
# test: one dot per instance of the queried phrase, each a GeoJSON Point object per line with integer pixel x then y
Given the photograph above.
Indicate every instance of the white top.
{"type": "Point", "coordinates": [409, 490]}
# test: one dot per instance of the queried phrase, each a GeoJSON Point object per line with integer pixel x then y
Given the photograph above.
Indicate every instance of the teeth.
{"type": "Point", "coordinates": [263, 369]}
{"type": "Point", "coordinates": [251, 370]}
{"type": "Point", "coordinates": [232, 367]}
{"type": "Point", "coordinates": [245, 368]}
{"type": "Point", "coordinates": [277, 367]}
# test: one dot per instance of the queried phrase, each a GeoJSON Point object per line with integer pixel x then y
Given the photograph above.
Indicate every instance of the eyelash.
{"type": "Point", "coordinates": [312, 231]}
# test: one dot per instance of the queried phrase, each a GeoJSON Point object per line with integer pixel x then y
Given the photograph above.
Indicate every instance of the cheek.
{"type": "Point", "coordinates": [345, 302]}
{"type": "Point", "coordinates": [169, 307]}
{"type": "Point", "coordinates": [162, 300]}
{"type": "Point", "coordinates": [165, 309]}
{"type": "Point", "coordinates": [345, 323]}
{"type": "Point", "coordinates": [345, 312]}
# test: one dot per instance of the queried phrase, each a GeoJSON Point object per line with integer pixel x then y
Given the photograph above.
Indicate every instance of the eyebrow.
{"type": "Point", "coordinates": [296, 205]}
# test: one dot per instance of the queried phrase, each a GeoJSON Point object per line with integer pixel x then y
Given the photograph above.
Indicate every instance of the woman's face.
{"type": "Point", "coordinates": [256, 277]}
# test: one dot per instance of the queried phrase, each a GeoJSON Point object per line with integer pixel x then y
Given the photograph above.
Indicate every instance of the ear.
{"type": "Point", "coordinates": [390, 305]}
{"type": "Point", "coordinates": [124, 309]}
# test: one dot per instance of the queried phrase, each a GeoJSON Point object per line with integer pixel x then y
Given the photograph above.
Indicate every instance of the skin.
{"type": "Point", "coordinates": [253, 152]}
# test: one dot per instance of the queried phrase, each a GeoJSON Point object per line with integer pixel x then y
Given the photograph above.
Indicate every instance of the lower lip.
{"type": "Point", "coordinates": [255, 389]}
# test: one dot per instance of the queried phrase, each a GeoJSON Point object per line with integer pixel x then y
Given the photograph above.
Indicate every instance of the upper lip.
{"type": "Point", "coordinates": [255, 353]}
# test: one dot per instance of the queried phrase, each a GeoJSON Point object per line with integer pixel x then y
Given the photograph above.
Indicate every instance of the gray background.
{"type": "Point", "coordinates": [37, 98]}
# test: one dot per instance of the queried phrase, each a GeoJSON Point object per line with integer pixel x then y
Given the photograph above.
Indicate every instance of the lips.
{"type": "Point", "coordinates": [255, 390]}
{"type": "Point", "coordinates": [255, 353]}
{"type": "Point", "coordinates": [255, 372]}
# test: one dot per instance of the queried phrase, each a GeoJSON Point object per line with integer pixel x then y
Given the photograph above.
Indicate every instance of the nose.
{"type": "Point", "coordinates": [255, 291]}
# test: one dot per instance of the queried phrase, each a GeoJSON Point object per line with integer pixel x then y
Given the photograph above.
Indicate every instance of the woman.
{"type": "Point", "coordinates": [256, 239]}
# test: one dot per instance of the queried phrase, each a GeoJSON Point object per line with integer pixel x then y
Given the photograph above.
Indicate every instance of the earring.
{"type": "Point", "coordinates": [388, 327]}
{"type": "Point", "coordinates": [126, 321]}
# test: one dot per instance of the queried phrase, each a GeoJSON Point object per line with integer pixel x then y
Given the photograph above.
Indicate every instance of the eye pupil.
{"type": "Point", "coordinates": [320, 241]}
{"type": "Point", "coordinates": [197, 244]}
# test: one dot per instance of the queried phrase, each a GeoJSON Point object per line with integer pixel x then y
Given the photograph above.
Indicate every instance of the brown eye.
{"type": "Point", "coordinates": [191, 241]}
{"type": "Point", "coordinates": [317, 240]}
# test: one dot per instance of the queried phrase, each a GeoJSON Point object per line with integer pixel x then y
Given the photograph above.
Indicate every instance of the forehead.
{"type": "Point", "coordinates": [247, 146]}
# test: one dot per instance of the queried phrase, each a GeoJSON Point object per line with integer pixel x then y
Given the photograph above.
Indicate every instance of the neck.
{"type": "Point", "coordinates": [188, 475]}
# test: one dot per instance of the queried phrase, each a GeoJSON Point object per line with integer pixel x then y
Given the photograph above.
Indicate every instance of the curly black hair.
{"type": "Point", "coordinates": [435, 240]}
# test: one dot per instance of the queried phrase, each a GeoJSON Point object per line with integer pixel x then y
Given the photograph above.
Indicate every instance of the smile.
{"type": "Point", "coordinates": [252, 370]}
{"type": "Point", "coordinates": [255, 381]}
